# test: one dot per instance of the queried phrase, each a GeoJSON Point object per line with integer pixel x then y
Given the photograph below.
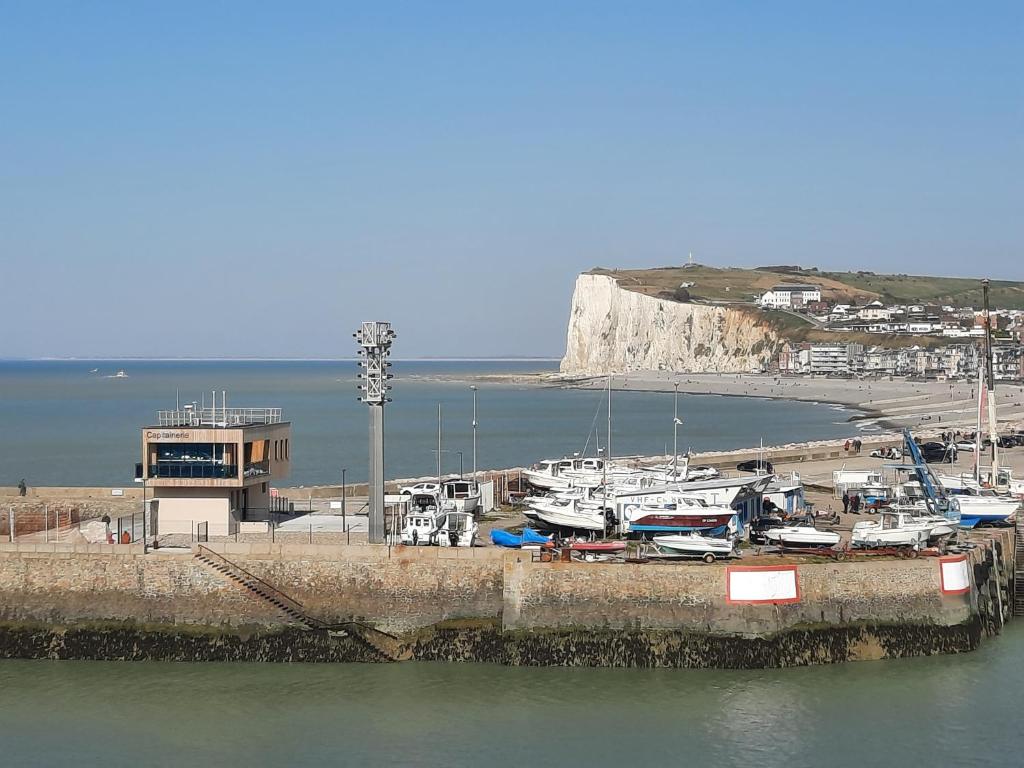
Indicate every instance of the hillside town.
{"type": "Point", "coordinates": [964, 327]}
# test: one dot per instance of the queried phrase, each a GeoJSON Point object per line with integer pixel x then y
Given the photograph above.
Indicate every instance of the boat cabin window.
{"type": "Point", "coordinates": [457, 523]}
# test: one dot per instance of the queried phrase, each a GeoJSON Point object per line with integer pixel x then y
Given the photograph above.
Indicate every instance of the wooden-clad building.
{"type": "Point", "coordinates": [211, 468]}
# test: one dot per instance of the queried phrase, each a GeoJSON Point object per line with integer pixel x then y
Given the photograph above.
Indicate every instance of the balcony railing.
{"type": "Point", "coordinates": [192, 470]}
{"type": "Point", "coordinates": [218, 417]}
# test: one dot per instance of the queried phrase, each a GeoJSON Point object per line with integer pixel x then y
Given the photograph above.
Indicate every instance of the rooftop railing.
{"type": "Point", "coordinates": [218, 417]}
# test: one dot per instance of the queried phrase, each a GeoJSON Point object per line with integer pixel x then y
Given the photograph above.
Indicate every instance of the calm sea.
{"type": "Point", "coordinates": [939, 711]}
{"type": "Point", "coordinates": [62, 424]}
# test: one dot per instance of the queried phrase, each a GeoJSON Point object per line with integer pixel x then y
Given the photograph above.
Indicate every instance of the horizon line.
{"type": "Point", "coordinates": [440, 359]}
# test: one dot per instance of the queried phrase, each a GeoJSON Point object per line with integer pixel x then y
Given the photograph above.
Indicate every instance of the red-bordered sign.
{"type": "Point", "coordinates": [955, 575]}
{"type": "Point", "coordinates": [762, 584]}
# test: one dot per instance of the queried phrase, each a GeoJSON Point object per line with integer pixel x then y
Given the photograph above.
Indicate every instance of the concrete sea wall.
{"type": "Point", "coordinates": [111, 601]}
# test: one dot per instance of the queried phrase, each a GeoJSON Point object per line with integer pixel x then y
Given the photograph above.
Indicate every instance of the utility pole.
{"type": "Point", "coordinates": [374, 339]}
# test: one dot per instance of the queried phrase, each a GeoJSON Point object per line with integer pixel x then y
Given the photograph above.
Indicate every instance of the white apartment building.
{"type": "Point", "coordinates": [836, 359]}
{"type": "Point", "coordinates": [790, 296]}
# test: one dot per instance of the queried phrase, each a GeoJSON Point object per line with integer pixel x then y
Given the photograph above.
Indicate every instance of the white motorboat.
{"type": "Point", "coordinates": [895, 529]}
{"type": "Point", "coordinates": [801, 536]}
{"type": "Point", "coordinates": [457, 529]}
{"type": "Point", "coordinates": [547, 474]}
{"type": "Point", "coordinates": [423, 520]}
{"type": "Point", "coordinates": [567, 513]}
{"type": "Point", "coordinates": [696, 544]}
{"type": "Point", "coordinates": [464, 494]}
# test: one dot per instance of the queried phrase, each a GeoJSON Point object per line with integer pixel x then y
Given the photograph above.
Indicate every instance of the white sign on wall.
{"type": "Point", "coordinates": [117, 492]}
{"type": "Point", "coordinates": [956, 575]}
{"type": "Point", "coordinates": [762, 584]}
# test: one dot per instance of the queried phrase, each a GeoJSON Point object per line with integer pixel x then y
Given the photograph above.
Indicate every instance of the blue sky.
{"type": "Point", "coordinates": [257, 178]}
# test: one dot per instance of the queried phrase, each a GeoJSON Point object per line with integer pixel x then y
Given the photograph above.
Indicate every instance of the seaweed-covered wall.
{"type": "Point", "coordinates": [487, 605]}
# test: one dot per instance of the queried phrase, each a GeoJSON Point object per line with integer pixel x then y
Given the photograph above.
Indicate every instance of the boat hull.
{"type": "Point", "coordinates": [669, 521]}
{"type": "Point", "coordinates": [695, 545]}
{"type": "Point", "coordinates": [809, 537]}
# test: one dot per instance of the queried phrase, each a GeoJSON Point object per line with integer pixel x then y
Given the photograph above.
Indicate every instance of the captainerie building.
{"type": "Point", "coordinates": [208, 469]}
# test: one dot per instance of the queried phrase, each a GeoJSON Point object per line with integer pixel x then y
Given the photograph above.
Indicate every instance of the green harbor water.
{"type": "Point", "coordinates": [939, 711]}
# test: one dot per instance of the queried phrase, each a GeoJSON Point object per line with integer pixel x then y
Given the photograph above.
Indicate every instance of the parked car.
{"type": "Point", "coordinates": [762, 524]}
{"type": "Point", "coordinates": [965, 445]}
{"type": "Point", "coordinates": [887, 453]}
{"type": "Point", "coordinates": [756, 465]}
{"type": "Point", "coordinates": [409, 490]}
{"type": "Point", "coordinates": [936, 453]}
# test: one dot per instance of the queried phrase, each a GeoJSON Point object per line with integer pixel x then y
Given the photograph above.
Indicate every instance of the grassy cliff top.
{"type": "Point", "coordinates": [745, 285]}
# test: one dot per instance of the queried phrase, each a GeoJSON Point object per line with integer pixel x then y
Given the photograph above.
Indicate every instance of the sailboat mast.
{"type": "Point", "coordinates": [439, 479]}
{"type": "Point", "coordinates": [991, 383]}
{"type": "Point", "coordinates": [977, 431]}
{"type": "Point", "coordinates": [608, 444]}
{"type": "Point", "coordinates": [675, 434]}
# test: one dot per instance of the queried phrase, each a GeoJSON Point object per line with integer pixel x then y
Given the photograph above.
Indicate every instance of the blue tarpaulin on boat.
{"type": "Point", "coordinates": [514, 540]}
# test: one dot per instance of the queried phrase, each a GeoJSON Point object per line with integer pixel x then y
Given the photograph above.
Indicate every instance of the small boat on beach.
{"type": "Point", "coordinates": [801, 536]}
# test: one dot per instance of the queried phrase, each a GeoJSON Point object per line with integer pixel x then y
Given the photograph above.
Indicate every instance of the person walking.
{"type": "Point", "coordinates": [846, 502]}
{"type": "Point", "coordinates": [22, 488]}
{"type": "Point", "coordinates": [855, 503]}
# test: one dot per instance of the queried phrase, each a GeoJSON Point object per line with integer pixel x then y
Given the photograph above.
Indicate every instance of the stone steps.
{"type": "Point", "coordinates": [255, 588]}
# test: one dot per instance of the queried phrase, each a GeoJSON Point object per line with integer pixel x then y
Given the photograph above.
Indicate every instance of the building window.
{"type": "Point", "coordinates": [287, 456]}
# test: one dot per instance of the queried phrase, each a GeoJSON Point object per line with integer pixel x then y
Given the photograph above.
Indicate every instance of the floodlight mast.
{"type": "Point", "coordinates": [374, 339]}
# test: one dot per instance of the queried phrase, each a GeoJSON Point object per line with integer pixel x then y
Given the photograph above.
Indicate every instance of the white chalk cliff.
{"type": "Point", "coordinates": [614, 330]}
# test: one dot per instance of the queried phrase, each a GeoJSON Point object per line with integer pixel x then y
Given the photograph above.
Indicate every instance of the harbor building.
{"type": "Point", "coordinates": [208, 469]}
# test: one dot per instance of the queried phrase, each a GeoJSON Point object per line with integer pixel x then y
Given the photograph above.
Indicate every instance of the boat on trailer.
{"type": "Point", "coordinates": [694, 544]}
{"type": "Point", "coordinates": [801, 536]}
{"type": "Point", "coordinates": [898, 529]}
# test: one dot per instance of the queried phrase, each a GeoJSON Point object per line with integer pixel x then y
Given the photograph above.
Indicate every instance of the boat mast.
{"type": "Point", "coordinates": [977, 431]}
{"type": "Point", "coordinates": [991, 384]}
{"type": "Point", "coordinates": [675, 437]}
{"type": "Point", "coordinates": [607, 456]}
{"type": "Point", "coordinates": [439, 480]}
